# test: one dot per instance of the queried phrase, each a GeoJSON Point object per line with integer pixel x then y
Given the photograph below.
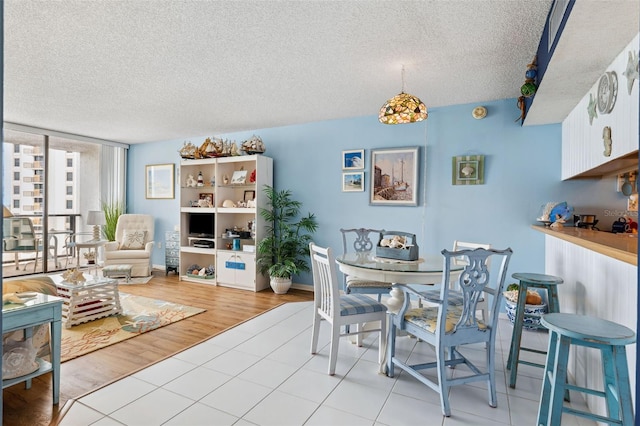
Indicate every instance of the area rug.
{"type": "Point", "coordinates": [140, 314]}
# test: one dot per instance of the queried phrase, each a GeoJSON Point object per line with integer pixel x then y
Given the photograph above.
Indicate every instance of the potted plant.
{"type": "Point", "coordinates": [284, 251]}
{"type": "Point", "coordinates": [112, 211]}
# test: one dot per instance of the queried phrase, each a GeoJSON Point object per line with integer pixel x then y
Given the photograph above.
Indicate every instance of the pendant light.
{"type": "Point", "coordinates": [402, 108]}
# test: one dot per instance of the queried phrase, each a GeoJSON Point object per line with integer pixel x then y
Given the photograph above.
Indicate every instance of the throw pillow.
{"type": "Point", "coordinates": [133, 240]}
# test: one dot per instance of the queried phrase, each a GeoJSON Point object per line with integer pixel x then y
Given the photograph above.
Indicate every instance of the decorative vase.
{"type": "Point", "coordinates": [280, 285]}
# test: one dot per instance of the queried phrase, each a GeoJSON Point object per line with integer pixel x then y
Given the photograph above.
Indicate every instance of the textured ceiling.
{"type": "Point", "coordinates": [140, 71]}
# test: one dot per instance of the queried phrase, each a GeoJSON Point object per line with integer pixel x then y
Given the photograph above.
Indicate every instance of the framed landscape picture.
{"type": "Point", "coordinates": [353, 159]}
{"type": "Point", "coordinates": [159, 181]}
{"type": "Point", "coordinates": [353, 182]}
{"type": "Point", "coordinates": [394, 180]}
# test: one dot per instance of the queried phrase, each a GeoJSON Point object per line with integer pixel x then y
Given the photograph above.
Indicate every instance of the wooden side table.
{"type": "Point", "coordinates": [40, 309]}
{"type": "Point", "coordinates": [88, 301]}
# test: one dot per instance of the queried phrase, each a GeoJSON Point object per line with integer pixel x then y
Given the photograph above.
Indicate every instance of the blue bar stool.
{"type": "Point", "coordinates": [527, 281]}
{"type": "Point", "coordinates": [611, 339]}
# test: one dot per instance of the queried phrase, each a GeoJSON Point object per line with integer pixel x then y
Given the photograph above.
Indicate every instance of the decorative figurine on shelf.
{"type": "Point", "coordinates": [200, 180]}
{"type": "Point", "coordinates": [212, 181]}
{"type": "Point", "coordinates": [225, 179]}
{"type": "Point", "coordinates": [252, 176]}
{"type": "Point", "coordinates": [191, 182]}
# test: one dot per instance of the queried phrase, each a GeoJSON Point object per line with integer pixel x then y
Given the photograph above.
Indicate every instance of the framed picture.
{"type": "Point", "coordinates": [159, 181]}
{"type": "Point", "coordinates": [249, 195]}
{"type": "Point", "coordinates": [207, 198]}
{"type": "Point", "coordinates": [353, 159]}
{"type": "Point", "coordinates": [467, 170]}
{"type": "Point", "coordinates": [395, 177]}
{"type": "Point", "coordinates": [239, 177]}
{"type": "Point", "coordinates": [353, 182]}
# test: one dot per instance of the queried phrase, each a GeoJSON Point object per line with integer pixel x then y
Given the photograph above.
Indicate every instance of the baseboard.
{"type": "Point", "coordinates": [305, 287]}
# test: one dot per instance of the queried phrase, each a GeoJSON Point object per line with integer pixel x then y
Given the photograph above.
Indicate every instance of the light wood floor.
{"type": "Point", "coordinates": [225, 308]}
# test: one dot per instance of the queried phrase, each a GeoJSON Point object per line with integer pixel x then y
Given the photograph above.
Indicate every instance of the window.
{"type": "Point", "coordinates": [68, 160]}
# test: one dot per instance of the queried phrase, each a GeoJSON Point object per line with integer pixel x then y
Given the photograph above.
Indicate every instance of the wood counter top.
{"type": "Point", "coordinates": [623, 247]}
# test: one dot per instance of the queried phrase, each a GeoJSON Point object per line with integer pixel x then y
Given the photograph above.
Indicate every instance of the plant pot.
{"type": "Point", "coordinates": [280, 285]}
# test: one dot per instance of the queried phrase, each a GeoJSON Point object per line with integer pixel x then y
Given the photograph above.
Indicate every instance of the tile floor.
{"type": "Point", "coordinates": [261, 373]}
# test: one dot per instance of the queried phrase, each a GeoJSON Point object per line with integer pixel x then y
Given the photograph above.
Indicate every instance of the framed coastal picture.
{"type": "Point", "coordinates": [467, 170]}
{"type": "Point", "coordinates": [353, 160]}
{"type": "Point", "coordinates": [159, 181]}
{"type": "Point", "coordinates": [394, 180]}
{"type": "Point", "coordinates": [353, 182]}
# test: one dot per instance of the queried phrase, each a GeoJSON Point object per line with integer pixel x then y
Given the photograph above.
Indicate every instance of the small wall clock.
{"type": "Point", "coordinates": [607, 92]}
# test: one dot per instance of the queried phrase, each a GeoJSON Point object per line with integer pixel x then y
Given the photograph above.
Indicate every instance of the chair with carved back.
{"type": "Point", "coordinates": [450, 328]}
{"type": "Point", "coordinates": [359, 240]}
{"type": "Point", "coordinates": [456, 296]}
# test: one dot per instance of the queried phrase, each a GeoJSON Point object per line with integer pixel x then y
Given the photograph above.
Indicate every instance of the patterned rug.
{"type": "Point", "coordinates": [140, 314]}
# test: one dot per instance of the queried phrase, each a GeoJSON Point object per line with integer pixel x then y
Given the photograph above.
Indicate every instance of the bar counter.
{"type": "Point", "coordinates": [623, 247]}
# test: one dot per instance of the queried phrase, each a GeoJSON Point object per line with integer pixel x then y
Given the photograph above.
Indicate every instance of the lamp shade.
{"type": "Point", "coordinates": [402, 108]}
{"type": "Point", "coordinates": [6, 212]}
{"type": "Point", "coordinates": [96, 217]}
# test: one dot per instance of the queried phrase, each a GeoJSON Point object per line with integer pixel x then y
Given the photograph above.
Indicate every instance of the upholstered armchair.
{"type": "Point", "coordinates": [133, 244]}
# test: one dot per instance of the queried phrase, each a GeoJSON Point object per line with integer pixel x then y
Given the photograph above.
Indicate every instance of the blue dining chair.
{"type": "Point", "coordinates": [359, 240]}
{"type": "Point", "coordinates": [455, 298]}
{"type": "Point", "coordinates": [450, 327]}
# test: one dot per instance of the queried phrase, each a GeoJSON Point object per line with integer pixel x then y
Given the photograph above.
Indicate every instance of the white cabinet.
{"type": "Point", "coordinates": [583, 146]}
{"type": "Point", "coordinates": [238, 269]}
{"type": "Point", "coordinates": [208, 232]}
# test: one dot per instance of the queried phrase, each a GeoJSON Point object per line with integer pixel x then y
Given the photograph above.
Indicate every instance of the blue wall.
{"type": "Point", "coordinates": [522, 172]}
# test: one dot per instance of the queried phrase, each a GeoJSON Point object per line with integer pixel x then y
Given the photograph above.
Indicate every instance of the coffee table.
{"type": "Point", "coordinates": [93, 299]}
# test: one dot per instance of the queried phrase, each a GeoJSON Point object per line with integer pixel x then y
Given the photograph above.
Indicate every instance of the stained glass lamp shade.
{"type": "Point", "coordinates": [402, 108]}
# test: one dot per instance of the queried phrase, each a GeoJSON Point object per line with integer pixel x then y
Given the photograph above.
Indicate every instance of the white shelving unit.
{"type": "Point", "coordinates": [234, 268]}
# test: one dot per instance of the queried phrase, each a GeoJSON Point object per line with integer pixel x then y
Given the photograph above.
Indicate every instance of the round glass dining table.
{"type": "Point", "coordinates": [426, 270]}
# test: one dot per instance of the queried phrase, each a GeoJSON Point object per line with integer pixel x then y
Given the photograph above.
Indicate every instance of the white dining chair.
{"type": "Point", "coordinates": [449, 328]}
{"type": "Point", "coordinates": [340, 309]}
